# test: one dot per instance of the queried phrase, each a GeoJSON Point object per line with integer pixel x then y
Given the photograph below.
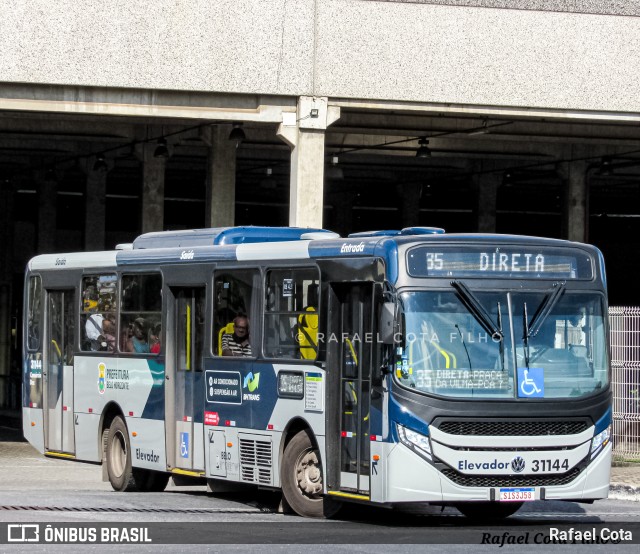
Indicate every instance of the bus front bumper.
{"type": "Point", "coordinates": [407, 477]}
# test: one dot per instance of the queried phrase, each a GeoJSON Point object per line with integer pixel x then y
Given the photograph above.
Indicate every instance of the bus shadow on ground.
{"type": "Point", "coordinates": [11, 426]}
{"type": "Point", "coordinates": [535, 513]}
{"type": "Point", "coordinates": [11, 434]}
{"type": "Point", "coordinates": [417, 515]}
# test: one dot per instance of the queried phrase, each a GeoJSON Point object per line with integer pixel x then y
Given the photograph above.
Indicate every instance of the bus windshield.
{"type": "Point", "coordinates": [468, 343]}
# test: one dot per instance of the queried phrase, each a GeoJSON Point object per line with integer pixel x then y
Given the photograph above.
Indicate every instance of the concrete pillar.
{"type": "Point", "coordinates": [47, 186]}
{"type": "Point", "coordinates": [486, 188]}
{"type": "Point", "coordinates": [307, 180]}
{"type": "Point", "coordinates": [410, 204]}
{"type": "Point", "coordinates": [95, 217]}
{"type": "Point", "coordinates": [304, 133]}
{"type": "Point", "coordinates": [220, 204]}
{"type": "Point", "coordinates": [7, 191]}
{"type": "Point", "coordinates": [153, 172]}
{"type": "Point", "coordinates": [575, 220]}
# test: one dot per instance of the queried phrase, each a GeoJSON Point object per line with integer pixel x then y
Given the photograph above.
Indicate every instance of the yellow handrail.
{"type": "Point", "coordinates": [449, 357]}
{"type": "Point", "coordinates": [188, 339]}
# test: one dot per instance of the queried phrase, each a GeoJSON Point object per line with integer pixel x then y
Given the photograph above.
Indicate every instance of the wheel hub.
{"type": "Point", "coordinates": [308, 474]}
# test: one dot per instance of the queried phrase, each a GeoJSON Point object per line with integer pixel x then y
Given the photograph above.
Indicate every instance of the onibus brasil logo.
{"type": "Point", "coordinates": [251, 383]}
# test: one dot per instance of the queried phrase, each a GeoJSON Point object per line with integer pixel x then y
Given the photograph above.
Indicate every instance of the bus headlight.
{"type": "Point", "coordinates": [600, 441]}
{"type": "Point", "coordinates": [417, 442]}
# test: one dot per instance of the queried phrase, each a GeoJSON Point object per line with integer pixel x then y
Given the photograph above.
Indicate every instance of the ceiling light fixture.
{"type": "Point", "coordinates": [334, 172]}
{"type": "Point", "coordinates": [161, 150]}
{"type": "Point", "coordinates": [606, 167]}
{"type": "Point", "coordinates": [269, 182]}
{"type": "Point", "coordinates": [100, 164]}
{"type": "Point", "coordinates": [237, 134]}
{"type": "Point", "coordinates": [423, 150]}
{"type": "Point", "coordinates": [508, 179]}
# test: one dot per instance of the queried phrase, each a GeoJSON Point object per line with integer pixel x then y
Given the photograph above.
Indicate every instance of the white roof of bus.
{"type": "Point", "coordinates": [74, 260]}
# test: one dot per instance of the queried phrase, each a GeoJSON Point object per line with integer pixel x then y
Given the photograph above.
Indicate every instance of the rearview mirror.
{"type": "Point", "coordinates": [386, 326]}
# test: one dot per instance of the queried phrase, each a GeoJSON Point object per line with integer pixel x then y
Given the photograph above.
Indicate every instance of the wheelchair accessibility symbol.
{"type": "Point", "coordinates": [530, 382]}
{"type": "Point", "coordinates": [184, 445]}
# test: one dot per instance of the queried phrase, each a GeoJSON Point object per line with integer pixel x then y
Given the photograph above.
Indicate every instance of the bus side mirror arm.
{"type": "Point", "coordinates": [384, 369]}
{"type": "Point", "coordinates": [388, 337]}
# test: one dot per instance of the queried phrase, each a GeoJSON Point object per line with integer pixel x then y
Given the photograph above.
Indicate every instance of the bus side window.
{"type": "Point", "coordinates": [98, 313]}
{"type": "Point", "coordinates": [291, 314]}
{"type": "Point", "coordinates": [140, 312]}
{"type": "Point", "coordinates": [34, 316]}
{"type": "Point", "coordinates": [235, 296]}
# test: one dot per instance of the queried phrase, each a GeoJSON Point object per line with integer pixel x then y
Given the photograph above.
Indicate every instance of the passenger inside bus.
{"type": "Point", "coordinates": [154, 339]}
{"type": "Point", "coordinates": [235, 339]}
{"type": "Point", "coordinates": [90, 299]}
{"type": "Point", "coordinates": [93, 330]}
{"type": "Point", "coordinates": [136, 339]}
{"type": "Point", "coordinates": [100, 331]}
{"type": "Point", "coordinates": [109, 332]}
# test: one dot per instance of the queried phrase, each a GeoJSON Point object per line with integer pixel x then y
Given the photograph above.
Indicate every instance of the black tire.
{"type": "Point", "coordinates": [302, 479]}
{"type": "Point", "coordinates": [148, 480]}
{"type": "Point", "coordinates": [119, 457]}
{"type": "Point", "coordinates": [488, 511]}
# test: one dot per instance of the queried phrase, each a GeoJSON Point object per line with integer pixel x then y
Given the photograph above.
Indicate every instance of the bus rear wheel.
{"type": "Point", "coordinates": [488, 511]}
{"type": "Point", "coordinates": [302, 479]}
{"type": "Point", "coordinates": [119, 457]}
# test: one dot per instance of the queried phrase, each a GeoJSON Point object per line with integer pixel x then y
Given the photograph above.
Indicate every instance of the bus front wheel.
{"type": "Point", "coordinates": [119, 457]}
{"type": "Point", "coordinates": [488, 511]}
{"type": "Point", "coordinates": [302, 482]}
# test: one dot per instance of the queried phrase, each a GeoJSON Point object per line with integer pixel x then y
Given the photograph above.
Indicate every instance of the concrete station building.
{"type": "Point", "coordinates": [128, 116]}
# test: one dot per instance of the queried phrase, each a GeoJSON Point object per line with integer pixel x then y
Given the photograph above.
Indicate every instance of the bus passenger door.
{"type": "Point", "coordinates": [354, 324]}
{"type": "Point", "coordinates": [58, 372]}
{"type": "Point", "coordinates": [186, 396]}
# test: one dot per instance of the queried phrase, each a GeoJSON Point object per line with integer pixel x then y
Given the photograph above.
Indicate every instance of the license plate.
{"type": "Point", "coordinates": [517, 494]}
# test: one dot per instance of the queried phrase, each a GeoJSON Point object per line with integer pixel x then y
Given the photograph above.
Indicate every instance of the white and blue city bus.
{"type": "Point", "coordinates": [389, 367]}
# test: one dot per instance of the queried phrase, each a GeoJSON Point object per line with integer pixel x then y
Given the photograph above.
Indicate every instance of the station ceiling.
{"type": "Point", "coordinates": [363, 140]}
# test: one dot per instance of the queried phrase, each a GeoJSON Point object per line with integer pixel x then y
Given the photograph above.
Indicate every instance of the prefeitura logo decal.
{"type": "Point", "coordinates": [101, 381]}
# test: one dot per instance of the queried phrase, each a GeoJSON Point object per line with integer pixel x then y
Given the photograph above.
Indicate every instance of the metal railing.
{"type": "Point", "coordinates": [625, 380]}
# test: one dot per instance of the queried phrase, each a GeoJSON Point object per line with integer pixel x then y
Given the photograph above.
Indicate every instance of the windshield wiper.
{"type": "Point", "coordinates": [501, 342]}
{"type": "Point", "coordinates": [526, 335]}
{"type": "Point", "coordinates": [531, 329]}
{"type": "Point", "coordinates": [545, 308]}
{"type": "Point", "coordinates": [464, 344]}
{"type": "Point", "coordinates": [477, 310]}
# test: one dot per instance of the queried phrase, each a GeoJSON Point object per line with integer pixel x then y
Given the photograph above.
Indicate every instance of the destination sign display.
{"type": "Point", "coordinates": [476, 379]}
{"type": "Point", "coordinates": [528, 262]}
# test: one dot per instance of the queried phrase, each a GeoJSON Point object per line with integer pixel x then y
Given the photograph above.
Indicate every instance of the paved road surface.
{"type": "Point", "coordinates": [45, 490]}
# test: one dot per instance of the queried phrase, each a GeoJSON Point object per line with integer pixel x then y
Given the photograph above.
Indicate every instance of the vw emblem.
{"type": "Point", "coordinates": [517, 464]}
